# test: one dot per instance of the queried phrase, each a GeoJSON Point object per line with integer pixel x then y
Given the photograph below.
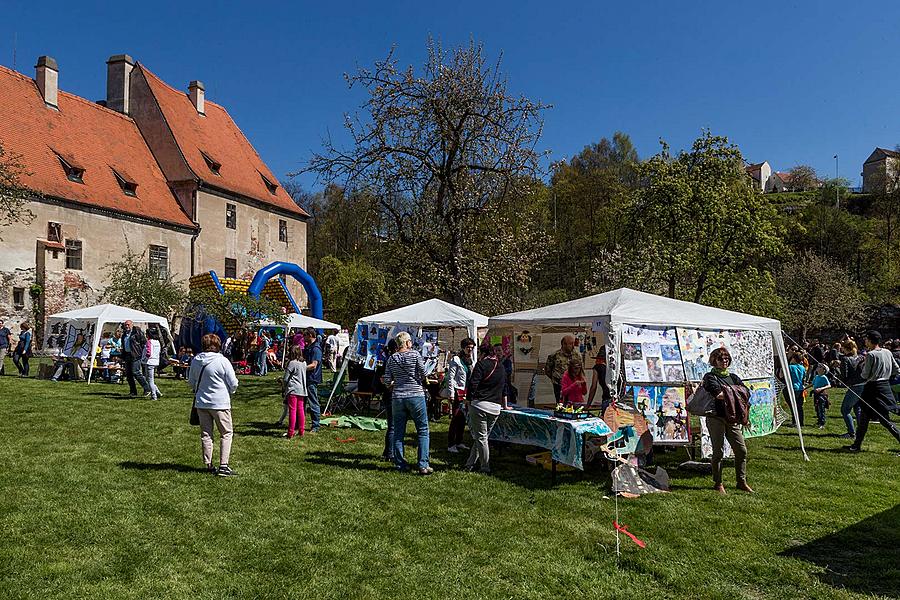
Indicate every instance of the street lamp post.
{"type": "Point", "coordinates": [837, 192]}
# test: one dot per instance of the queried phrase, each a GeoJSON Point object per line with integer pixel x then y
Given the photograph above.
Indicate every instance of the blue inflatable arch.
{"type": "Point", "coordinates": [284, 268]}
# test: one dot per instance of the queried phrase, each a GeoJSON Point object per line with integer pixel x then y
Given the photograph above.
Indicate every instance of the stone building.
{"type": "Point", "coordinates": [166, 172]}
{"type": "Point", "coordinates": [881, 171]}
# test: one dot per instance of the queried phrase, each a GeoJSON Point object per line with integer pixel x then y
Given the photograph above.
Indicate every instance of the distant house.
{"type": "Point", "coordinates": [779, 182]}
{"type": "Point", "coordinates": [759, 173]}
{"type": "Point", "coordinates": [881, 171]}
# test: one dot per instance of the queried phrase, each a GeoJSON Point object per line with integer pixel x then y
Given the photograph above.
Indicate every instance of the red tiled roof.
{"type": "Point", "coordinates": [785, 177]}
{"type": "Point", "coordinates": [217, 135]}
{"type": "Point", "coordinates": [87, 136]}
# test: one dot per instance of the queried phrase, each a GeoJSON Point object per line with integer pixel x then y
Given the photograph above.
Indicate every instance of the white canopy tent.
{"type": "Point", "coordinates": [611, 310]}
{"type": "Point", "coordinates": [100, 315]}
{"type": "Point", "coordinates": [431, 313]}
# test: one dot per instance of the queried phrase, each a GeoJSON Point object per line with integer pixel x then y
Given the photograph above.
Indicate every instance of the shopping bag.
{"type": "Point", "coordinates": [701, 403]}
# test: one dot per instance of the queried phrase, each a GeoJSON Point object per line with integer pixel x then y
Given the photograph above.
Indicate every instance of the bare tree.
{"type": "Point", "coordinates": [804, 177]}
{"type": "Point", "coordinates": [438, 147]}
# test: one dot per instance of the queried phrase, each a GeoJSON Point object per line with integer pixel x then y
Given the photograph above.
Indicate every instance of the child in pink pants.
{"type": "Point", "coordinates": [294, 381]}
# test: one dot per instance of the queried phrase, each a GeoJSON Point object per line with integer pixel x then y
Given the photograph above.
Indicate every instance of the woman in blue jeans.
{"type": "Point", "coordinates": [851, 375]}
{"type": "Point", "coordinates": [404, 373]}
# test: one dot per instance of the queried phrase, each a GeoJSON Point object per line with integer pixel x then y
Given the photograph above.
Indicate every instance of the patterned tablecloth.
{"type": "Point", "coordinates": [563, 437]}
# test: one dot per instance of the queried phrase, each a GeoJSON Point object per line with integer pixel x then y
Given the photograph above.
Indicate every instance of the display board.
{"type": "Point", "coordinates": [664, 409]}
{"type": "Point", "coordinates": [752, 354]}
{"type": "Point", "coordinates": [651, 354]}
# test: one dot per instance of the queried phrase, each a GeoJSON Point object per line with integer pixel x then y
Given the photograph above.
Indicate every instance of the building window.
{"type": "Point", "coordinates": [73, 172]}
{"type": "Point", "coordinates": [73, 254]}
{"type": "Point", "coordinates": [269, 185]}
{"type": "Point", "coordinates": [231, 268]}
{"type": "Point", "coordinates": [129, 188]}
{"type": "Point", "coordinates": [282, 230]}
{"type": "Point", "coordinates": [54, 232]}
{"type": "Point", "coordinates": [212, 163]}
{"type": "Point", "coordinates": [19, 297]}
{"type": "Point", "coordinates": [231, 216]}
{"type": "Point", "coordinates": [159, 261]}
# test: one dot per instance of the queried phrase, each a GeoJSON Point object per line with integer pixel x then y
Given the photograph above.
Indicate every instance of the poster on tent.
{"type": "Point", "coordinates": [706, 443]}
{"type": "Point", "coordinates": [62, 336]}
{"type": "Point", "coordinates": [751, 352]}
{"type": "Point", "coordinates": [664, 409]}
{"type": "Point", "coordinates": [429, 345]}
{"type": "Point", "coordinates": [362, 341]}
{"type": "Point", "coordinates": [651, 354]}
{"type": "Point", "coordinates": [524, 350]}
{"type": "Point", "coordinates": [762, 408]}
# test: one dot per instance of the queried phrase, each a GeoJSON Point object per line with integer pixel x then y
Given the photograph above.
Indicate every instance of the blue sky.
{"type": "Point", "coordinates": [789, 82]}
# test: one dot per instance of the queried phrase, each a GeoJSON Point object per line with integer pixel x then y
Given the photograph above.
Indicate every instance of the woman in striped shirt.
{"type": "Point", "coordinates": [403, 375]}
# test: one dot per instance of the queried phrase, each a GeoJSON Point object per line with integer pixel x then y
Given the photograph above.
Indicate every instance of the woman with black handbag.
{"type": "Point", "coordinates": [719, 428]}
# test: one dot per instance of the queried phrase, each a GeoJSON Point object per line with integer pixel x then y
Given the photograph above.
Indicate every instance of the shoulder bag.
{"type": "Point", "coordinates": [701, 403]}
{"type": "Point", "coordinates": [195, 416]}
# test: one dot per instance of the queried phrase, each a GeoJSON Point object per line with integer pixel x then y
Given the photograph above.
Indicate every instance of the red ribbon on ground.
{"type": "Point", "coordinates": [624, 529]}
{"type": "Point", "coordinates": [349, 439]}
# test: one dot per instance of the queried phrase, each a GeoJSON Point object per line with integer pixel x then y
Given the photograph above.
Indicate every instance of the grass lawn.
{"type": "Point", "coordinates": [103, 497]}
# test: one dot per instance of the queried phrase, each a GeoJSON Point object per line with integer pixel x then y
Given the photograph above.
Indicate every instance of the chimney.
{"type": "Point", "coordinates": [197, 95]}
{"type": "Point", "coordinates": [47, 76]}
{"type": "Point", "coordinates": [118, 80]}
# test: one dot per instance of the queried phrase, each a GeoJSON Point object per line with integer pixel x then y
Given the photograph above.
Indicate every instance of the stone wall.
{"type": "Point", "coordinates": [254, 243]}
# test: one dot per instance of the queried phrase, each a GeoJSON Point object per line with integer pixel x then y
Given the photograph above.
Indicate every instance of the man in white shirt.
{"type": "Point", "coordinates": [877, 396]}
{"type": "Point", "coordinates": [331, 344]}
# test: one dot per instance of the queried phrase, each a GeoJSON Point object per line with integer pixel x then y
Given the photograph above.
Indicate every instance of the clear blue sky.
{"type": "Point", "coordinates": [789, 82]}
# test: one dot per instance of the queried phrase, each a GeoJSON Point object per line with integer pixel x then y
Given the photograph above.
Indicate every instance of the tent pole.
{"type": "Point", "coordinates": [785, 368]}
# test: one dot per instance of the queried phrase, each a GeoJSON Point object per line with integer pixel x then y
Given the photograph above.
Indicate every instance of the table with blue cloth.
{"type": "Point", "coordinates": [564, 438]}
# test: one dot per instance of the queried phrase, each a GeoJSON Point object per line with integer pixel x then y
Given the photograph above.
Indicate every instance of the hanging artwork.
{"type": "Point", "coordinates": [751, 352]}
{"type": "Point", "coordinates": [362, 340]}
{"type": "Point", "coordinates": [664, 409]}
{"type": "Point", "coordinates": [762, 408]}
{"type": "Point", "coordinates": [706, 443]}
{"type": "Point", "coordinates": [651, 354]}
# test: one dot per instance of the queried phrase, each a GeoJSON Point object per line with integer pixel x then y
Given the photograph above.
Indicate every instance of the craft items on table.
{"type": "Point", "coordinates": [563, 437]}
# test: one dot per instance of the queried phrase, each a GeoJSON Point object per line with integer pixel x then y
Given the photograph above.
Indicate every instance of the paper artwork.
{"type": "Point", "coordinates": [762, 408]}
{"type": "Point", "coordinates": [706, 443]}
{"type": "Point", "coordinates": [657, 349]}
{"type": "Point", "coordinates": [751, 352]}
{"type": "Point", "coordinates": [664, 409]}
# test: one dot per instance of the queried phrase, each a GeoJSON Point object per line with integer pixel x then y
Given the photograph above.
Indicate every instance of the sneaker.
{"type": "Point", "coordinates": [225, 471]}
{"type": "Point", "coordinates": [426, 471]}
{"type": "Point", "coordinates": [462, 447]}
{"type": "Point", "coordinates": [453, 449]}
{"type": "Point", "coordinates": [821, 427]}
{"type": "Point", "coordinates": [852, 448]}
{"type": "Point", "coordinates": [148, 395]}
{"type": "Point", "coordinates": [849, 436]}
{"type": "Point", "coordinates": [210, 469]}
{"type": "Point", "coordinates": [159, 394]}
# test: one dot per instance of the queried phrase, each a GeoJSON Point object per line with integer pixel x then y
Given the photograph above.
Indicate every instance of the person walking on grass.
{"type": "Point", "coordinates": [820, 386]}
{"type": "Point", "coordinates": [262, 353]}
{"type": "Point", "coordinates": [212, 378]}
{"type": "Point", "coordinates": [877, 396]}
{"type": "Point", "coordinates": [797, 375]}
{"type": "Point", "coordinates": [719, 428]}
{"type": "Point", "coordinates": [851, 374]}
{"type": "Point", "coordinates": [150, 359]}
{"type": "Point", "coordinates": [487, 397]}
{"type": "Point", "coordinates": [458, 372]}
{"type": "Point", "coordinates": [295, 392]}
{"type": "Point", "coordinates": [386, 402]}
{"type": "Point", "coordinates": [133, 344]}
{"type": "Point", "coordinates": [404, 374]}
{"type": "Point", "coordinates": [313, 355]}
{"type": "Point", "coordinates": [4, 345]}
{"type": "Point", "coordinates": [23, 349]}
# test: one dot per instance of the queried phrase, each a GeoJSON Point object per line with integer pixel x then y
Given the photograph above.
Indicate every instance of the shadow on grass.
{"type": "Point", "coordinates": [346, 460]}
{"type": "Point", "coordinates": [260, 428]}
{"type": "Point", "coordinates": [139, 466]}
{"type": "Point", "coordinates": [864, 557]}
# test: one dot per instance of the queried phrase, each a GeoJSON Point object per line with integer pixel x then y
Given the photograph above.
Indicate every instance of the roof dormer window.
{"type": "Point", "coordinates": [212, 163]}
{"type": "Point", "coordinates": [272, 187]}
{"type": "Point", "coordinates": [129, 188]}
{"type": "Point", "coordinates": [73, 173]}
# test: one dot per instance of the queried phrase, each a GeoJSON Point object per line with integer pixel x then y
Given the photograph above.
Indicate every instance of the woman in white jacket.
{"type": "Point", "coordinates": [213, 380]}
{"type": "Point", "coordinates": [150, 359]}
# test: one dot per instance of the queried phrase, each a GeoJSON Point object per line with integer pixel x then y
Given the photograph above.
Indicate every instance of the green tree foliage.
{"type": "Point", "coordinates": [440, 149]}
{"type": "Point", "coordinates": [233, 309]}
{"type": "Point", "coordinates": [588, 195]}
{"type": "Point", "coordinates": [351, 289]}
{"type": "Point", "coordinates": [14, 195]}
{"type": "Point", "coordinates": [132, 282]}
{"type": "Point", "coordinates": [700, 231]}
{"type": "Point", "coordinates": [818, 294]}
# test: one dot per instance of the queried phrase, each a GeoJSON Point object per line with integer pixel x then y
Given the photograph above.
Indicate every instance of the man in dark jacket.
{"type": "Point", "coordinates": [133, 343]}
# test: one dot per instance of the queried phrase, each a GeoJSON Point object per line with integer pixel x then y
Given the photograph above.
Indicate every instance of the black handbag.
{"type": "Point", "coordinates": [701, 403]}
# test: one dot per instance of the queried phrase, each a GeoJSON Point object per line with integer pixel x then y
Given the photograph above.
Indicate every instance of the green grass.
{"type": "Point", "coordinates": [101, 497]}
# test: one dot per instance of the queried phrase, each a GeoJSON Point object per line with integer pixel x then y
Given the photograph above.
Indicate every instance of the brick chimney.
{"type": "Point", "coordinates": [118, 80]}
{"type": "Point", "coordinates": [47, 76]}
{"type": "Point", "coordinates": [198, 93]}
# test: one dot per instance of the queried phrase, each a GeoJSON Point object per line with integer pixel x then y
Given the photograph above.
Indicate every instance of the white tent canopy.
{"type": "Point", "coordinates": [298, 321]}
{"type": "Point", "coordinates": [611, 310]}
{"type": "Point", "coordinates": [431, 313]}
{"type": "Point", "coordinates": [102, 314]}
